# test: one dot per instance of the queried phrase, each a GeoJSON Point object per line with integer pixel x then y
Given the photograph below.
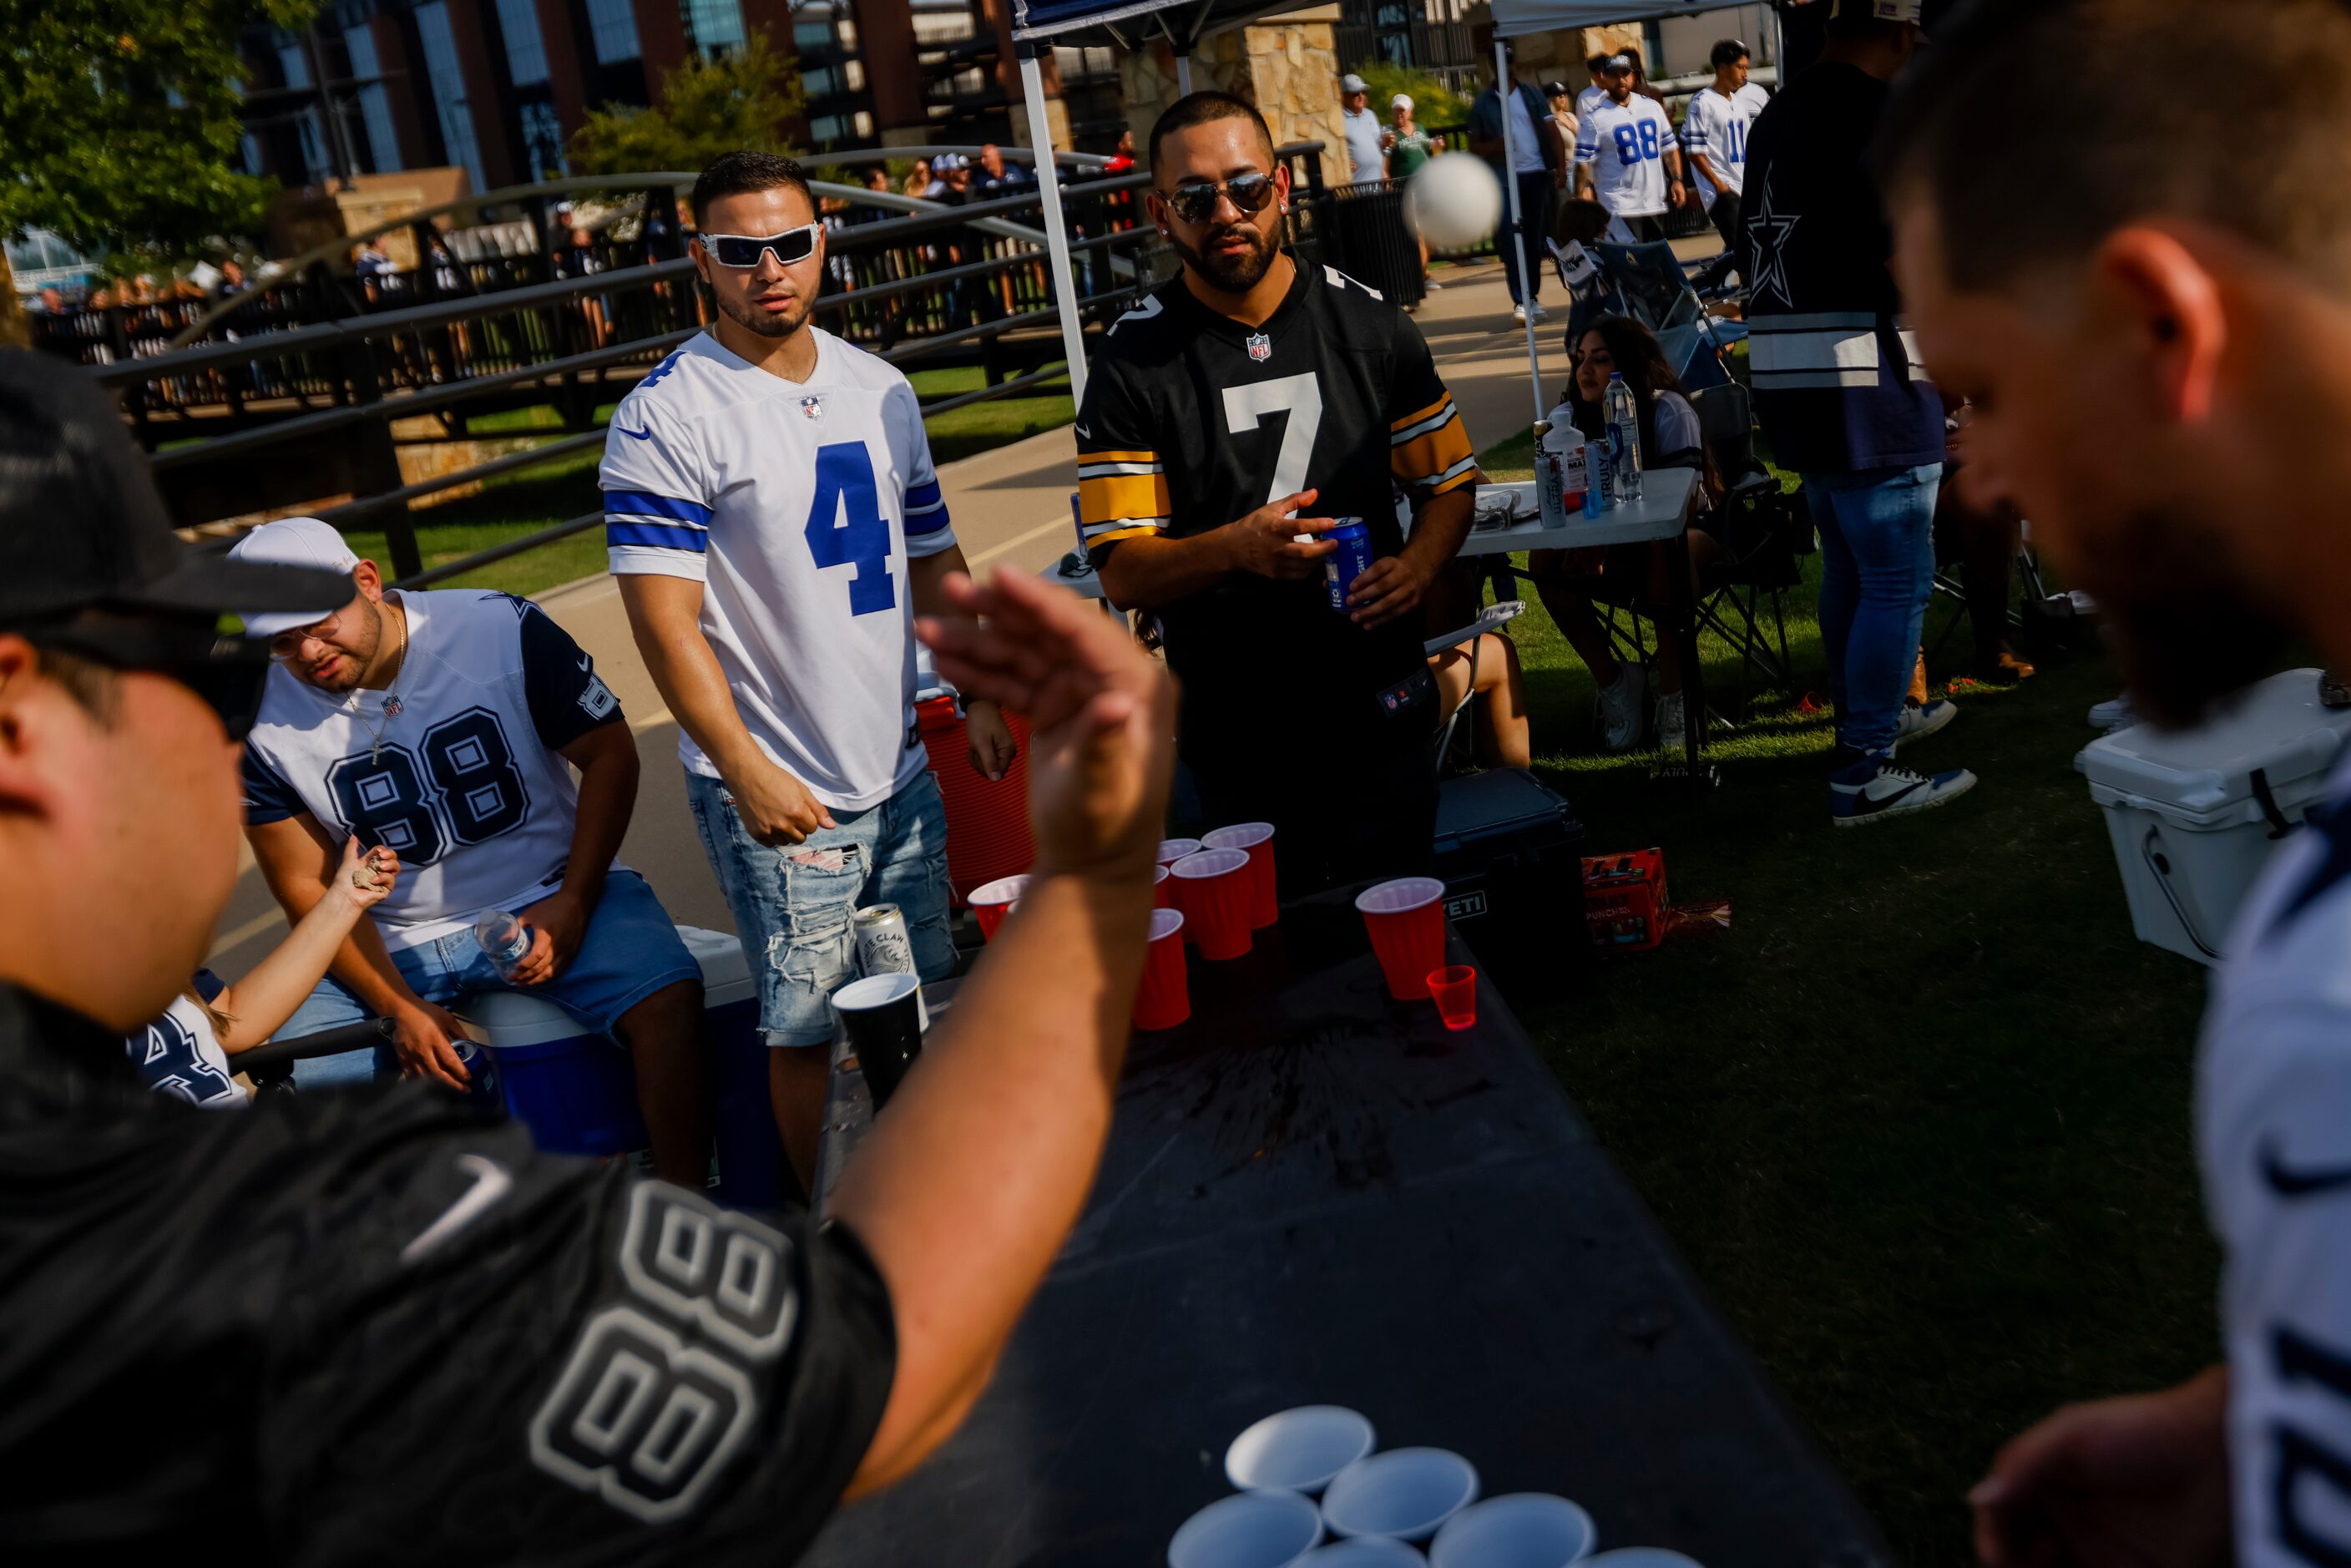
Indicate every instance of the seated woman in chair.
{"type": "Point", "coordinates": [1569, 581]}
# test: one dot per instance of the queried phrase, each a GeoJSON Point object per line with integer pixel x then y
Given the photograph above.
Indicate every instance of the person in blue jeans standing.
{"type": "Point", "coordinates": [1843, 395]}
{"type": "Point", "coordinates": [1538, 162]}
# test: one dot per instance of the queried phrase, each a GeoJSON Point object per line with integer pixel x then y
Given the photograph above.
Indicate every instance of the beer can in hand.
{"type": "Point", "coordinates": [885, 949]}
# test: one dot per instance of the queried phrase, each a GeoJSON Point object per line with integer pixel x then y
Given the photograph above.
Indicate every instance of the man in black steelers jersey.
{"type": "Point", "coordinates": [375, 1325]}
{"type": "Point", "coordinates": [1249, 401]}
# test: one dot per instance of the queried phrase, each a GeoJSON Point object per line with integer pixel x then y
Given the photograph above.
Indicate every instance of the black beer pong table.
{"type": "Point", "coordinates": [1314, 1194]}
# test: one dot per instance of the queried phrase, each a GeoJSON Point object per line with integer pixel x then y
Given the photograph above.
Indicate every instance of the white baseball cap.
{"type": "Point", "coordinates": [1401, 101]}
{"type": "Point", "coordinates": [292, 541]}
{"type": "Point", "coordinates": [1352, 83]}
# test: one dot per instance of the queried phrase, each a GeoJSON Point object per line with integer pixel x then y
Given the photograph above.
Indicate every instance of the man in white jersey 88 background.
{"type": "Point", "coordinates": [774, 520]}
{"type": "Point", "coordinates": [1627, 158]}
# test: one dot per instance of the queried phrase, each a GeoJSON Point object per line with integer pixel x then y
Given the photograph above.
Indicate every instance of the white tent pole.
{"type": "Point", "coordinates": [1184, 75]}
{"type": "Point", "coordinates": [1504, 88]}
{"type": "Point", "coordinates": [1057, 234]}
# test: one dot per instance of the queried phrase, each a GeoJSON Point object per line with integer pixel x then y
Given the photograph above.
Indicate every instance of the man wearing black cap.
{"type": "Point", "coordinates": [377, 1324]}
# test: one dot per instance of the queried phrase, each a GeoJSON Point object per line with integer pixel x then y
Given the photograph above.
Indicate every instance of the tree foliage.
{"type": "Point", "coordinates": [708, 107]}
{"type": "Point", "coordinates": [1433, 103]}
{"type": "Point", "coordinates": [118, 121]}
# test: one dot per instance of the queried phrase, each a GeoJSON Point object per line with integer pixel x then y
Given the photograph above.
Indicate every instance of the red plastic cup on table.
{"type": "Point", "coordinates": [991, 902]}
{"type": "Point", "coordinates": [1256, 840]}
{"type": "Point", "coordinates": [1214, 891]}
{"type": "Point", "coordinates": [1173, 850]}
{"type": "Point", "coordinates": [1163, 892]}
{"type": "Point", "coordinates": [1407, 920]}
{"type": "Point", "coordinates": [1164, 1000]}
{"type": "Point", "coordinates": [1455, 990]}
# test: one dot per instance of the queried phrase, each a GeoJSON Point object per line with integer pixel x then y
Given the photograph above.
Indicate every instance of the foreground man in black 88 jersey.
{"type": "Point", "coordinates": [1246, 402]}
{"type": "Point", "coordinates": [377, 1326]}
{"type": "Point", "coordinates": [2158, 355]}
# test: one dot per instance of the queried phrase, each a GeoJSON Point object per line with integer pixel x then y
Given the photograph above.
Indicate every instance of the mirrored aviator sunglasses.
{"type": "Point", "coordinates": [742, 250]}
{"type": "Point", "coordinates": [1195, 201]}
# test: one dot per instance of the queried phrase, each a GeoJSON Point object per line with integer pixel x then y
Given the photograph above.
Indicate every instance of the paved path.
{"type": "Point", "coordinates": [1011, 506]}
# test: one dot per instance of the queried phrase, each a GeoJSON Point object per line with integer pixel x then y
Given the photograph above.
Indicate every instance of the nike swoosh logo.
{"type": "Point", "coordinates": [1083, 434]}
{"type": "Point", "coordinates": [640, 434]}
{"type": "Point", "coordinates": [491, 1183]}
{"type": "Point", "coordinates": [2288, 1183]}
{"type": "Point", "coordinates": [586, 661]}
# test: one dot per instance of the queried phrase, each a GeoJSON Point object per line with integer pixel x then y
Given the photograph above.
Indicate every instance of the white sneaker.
{"type": "Point", "coordinates": [1620, 710]}
{"type": "Point", "coordinates": [1918, 723]}
{"type": "Point", "coordinates": [1430, 286]}
{"type": "Point", "coordinates": [1518, 314]}
{"type": "Point", "coordinates": [1869, 792]}
{"type": "Point", "coordinates": [1672, 731]}
{"type": "Point", "coordinates": [1542, 313]}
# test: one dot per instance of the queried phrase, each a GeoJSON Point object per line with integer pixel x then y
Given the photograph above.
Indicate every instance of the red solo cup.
{"type": "Point", "coordinates": [1213, 889]}
{"type": "Point", "coordinates": [1163, 895]}
{"type": "Point", "coordinates": [1455, 988]}
{"type": "Point", "coordinates": [1257, 838]}
{"type": "Point", "coordinates": [1173, 850]}
{"type": "Point", "coordinates": [1407, 920]}
{"type": "Point", "coordinates": [991, 902]}
{"type": "Point", "coordinates": [1164, 1000]}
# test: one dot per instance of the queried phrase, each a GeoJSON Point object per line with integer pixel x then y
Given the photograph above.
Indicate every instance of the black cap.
{"type": "Point", "coordinates": [82, 526]}
{"type": "Point", "coordinates": [1555, 89]}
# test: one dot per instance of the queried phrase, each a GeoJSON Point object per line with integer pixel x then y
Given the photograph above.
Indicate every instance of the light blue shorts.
{"type": "Point", "coordinates": [632, 949]}
{"type": "Point", "coordinates": [792, 903]}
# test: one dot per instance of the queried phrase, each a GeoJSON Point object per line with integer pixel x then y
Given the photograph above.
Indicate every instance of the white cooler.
{"type": "Point", "coordinates": [2193, 815]}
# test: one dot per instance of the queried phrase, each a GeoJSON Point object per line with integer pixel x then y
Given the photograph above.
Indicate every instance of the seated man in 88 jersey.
{"type": "Point", "coordinates": [439, 724]}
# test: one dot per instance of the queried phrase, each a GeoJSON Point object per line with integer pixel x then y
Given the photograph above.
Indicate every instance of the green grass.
{"type": "Point", "coordinates": [1919, 1120]}
{"type": "Point", "coordinates": [513, 504]}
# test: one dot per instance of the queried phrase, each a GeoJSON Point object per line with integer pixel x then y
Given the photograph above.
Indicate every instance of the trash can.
{"type": "Point", "coordinates": [2194, 814]}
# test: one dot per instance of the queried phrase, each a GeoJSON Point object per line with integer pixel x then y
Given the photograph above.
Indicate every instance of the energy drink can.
{"type": "Point", "coordinates": [885, 949]}
{"type": "Point", "coordinates": [482, 1086]}
{"type": "Point", "coordinates": [1348, 562]}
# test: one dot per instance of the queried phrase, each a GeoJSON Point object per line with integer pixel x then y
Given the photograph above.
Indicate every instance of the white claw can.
{"type": "Point", "coordinates": [883, 947]}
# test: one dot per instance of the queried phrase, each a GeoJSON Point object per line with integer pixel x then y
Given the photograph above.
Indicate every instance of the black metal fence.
{"type": "Point", "coordinates": [457, 335]}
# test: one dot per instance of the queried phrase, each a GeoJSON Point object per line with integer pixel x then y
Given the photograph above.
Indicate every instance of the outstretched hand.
{"type": "Point", "coordinates": [1102, 714]}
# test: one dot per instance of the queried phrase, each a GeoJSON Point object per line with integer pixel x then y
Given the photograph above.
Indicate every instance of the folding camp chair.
{"type": "Point", "coordinates": [1761, 533]}
{"type": "Point", "coordinates": [1496, 617]}
{"type": "Point", "coordinates": [1652, 284]}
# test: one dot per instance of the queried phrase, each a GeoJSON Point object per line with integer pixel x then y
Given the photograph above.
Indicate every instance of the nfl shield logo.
{"type": "Point", "coordinates": [812, 405]}
{"type": "Point", "coordinates": [1261, 346]}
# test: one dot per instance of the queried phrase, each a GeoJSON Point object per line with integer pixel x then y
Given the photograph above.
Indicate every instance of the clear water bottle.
{"type": "Point", "coordinates": [1623, 440]}
{"type": "Point", "coordinates": [503, 940]}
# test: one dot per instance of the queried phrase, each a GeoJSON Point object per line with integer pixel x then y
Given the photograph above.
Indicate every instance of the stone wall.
{"type": "Point", "coordinates": [1289, 68]}
{"type": "Point", "coordinates": [1540, 57]}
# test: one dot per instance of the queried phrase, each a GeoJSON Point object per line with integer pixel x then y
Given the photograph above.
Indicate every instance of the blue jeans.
{"type": "Point", "coordinates": [792, 903]}
{"type": "Point", "coordinates": [1877, 568]}
{"type": "Point", "coordinates": [630, 950]}
{"type": "Point", "coordinates": [1535, 193]}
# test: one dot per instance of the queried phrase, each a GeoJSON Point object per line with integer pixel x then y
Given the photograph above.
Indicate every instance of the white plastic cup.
{"type": "Point", "coordinates": [1249, 1529]}
{"type": "Point", "coordinates": [1406, 1493]}
{"type": "Point", "coordinates": [1520, 1530]}
{"type": "Point", "coordinates": [1298, 1450]}
{"type": "Point", "coordinates": [1173, 850]}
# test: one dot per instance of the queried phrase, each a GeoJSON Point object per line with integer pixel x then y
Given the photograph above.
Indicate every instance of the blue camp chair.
{"type": "Point", "coordinates": [1651, 285]}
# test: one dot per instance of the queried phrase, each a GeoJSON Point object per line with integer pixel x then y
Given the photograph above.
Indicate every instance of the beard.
{"type": "Point", "coordinates": [355, 656]}
{"type": "Point", "coordinates": [2189, 627]}
{"type": "Point", "coordinates": [1231, 275]}
{"type": "Point", "coordinates": [743, 314]}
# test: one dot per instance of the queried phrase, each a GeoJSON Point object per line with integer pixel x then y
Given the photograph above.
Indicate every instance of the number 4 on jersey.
{"type": "Point", "coordinates": [846, 528]}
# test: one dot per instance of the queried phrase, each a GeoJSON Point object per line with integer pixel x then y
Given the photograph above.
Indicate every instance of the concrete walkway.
{"type": "Point", "coordinates": [1010, 506]}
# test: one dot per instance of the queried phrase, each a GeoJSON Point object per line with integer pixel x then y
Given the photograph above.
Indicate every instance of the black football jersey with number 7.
{"type": "Point", "coordinates": [1192, 420]}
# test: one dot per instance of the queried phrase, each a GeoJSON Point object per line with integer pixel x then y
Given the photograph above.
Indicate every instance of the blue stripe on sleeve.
{"type": "Point", "coordinates": [922, 494]}
{"type": "Point", "coordinates": [639, 503]}
{"type": "Point", "coordinates": [929, 523]}
{"type": "Point", "coordinates": [659, 536]}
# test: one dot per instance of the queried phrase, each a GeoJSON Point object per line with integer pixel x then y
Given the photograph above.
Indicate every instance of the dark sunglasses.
{"type": "Point", "coordinates": [742, 250]}
{"type": "Point", "coordinates": [1195, 201]}
{"type": "Point", "coordinates": [226, 671]}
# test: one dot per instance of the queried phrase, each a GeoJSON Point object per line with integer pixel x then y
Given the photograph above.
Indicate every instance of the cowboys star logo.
{"type": "Point", "coordinates": [1770, 231]}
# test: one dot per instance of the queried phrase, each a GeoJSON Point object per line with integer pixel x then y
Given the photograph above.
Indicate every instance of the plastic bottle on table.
{"type": "Point", "coordinates": [1573, 454]}
{"type": "Point", "coordinates": [1623, 440]}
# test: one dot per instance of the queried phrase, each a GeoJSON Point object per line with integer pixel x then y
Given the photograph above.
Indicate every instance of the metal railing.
{"type": "Point", "coordinates": [462, 335]}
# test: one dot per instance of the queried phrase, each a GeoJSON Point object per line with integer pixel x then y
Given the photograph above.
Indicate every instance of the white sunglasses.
{"type": "Point", "coordinates": [744, 250]}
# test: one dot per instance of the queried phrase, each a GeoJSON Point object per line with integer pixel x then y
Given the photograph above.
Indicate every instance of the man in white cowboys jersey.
{"type": "Point", "coordinates": [774, 523]}
{"type": "Point", "coordinates": [444, 727]}
{"type": "Point", "coordinates": [1714, 137]}
{"type": "Point", "coordinates": [1627, 158]}
{"type": "Point", "coordinates": [2156, 360]}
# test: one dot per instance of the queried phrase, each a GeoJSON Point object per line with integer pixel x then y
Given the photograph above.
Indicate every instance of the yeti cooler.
{"type": "Point", "coordinates": [2194, 814]}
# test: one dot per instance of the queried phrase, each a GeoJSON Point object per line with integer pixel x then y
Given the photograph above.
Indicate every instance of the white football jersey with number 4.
{"type": "Point", "coordinates": [798, 506]}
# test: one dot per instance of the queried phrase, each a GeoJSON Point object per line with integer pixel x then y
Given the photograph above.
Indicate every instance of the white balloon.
{"type": "Point", "coordinates": [1455, 201]}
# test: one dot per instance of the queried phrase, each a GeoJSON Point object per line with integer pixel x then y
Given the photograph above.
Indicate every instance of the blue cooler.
{"type": "Point", "coordinates": [751, 1169]}
{"type": "Point", "coordinates": [576, 1090]}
